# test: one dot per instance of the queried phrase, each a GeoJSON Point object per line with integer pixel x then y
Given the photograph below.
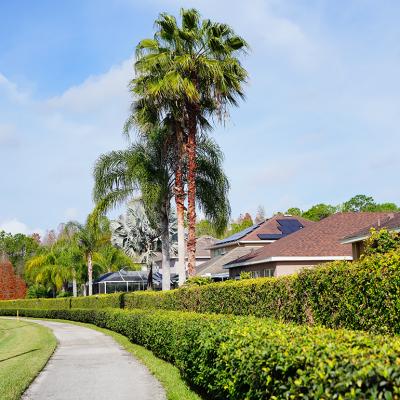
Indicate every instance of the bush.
{"type": "Point", "coordinates": [362, 295]}
{"type": "Point", "coordinates": [51, 304]}
{"type": "Point", "coordinates": [227, 357]}
{"type": "Point", "coordinates": [98, 301]}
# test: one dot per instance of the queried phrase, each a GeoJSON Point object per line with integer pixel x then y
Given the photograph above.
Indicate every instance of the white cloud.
{"type": "Point", "coordinates": [96, 91]}
{"type": "Point", "coordinates": [15, 226]}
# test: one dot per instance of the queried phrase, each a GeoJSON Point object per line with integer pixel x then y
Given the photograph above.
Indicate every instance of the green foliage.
{"type": "Point", "coordinates": [357, 203]}
{"type": "Point", "coordinates": [18, 248]}
{"type": "Point", "coordinates": [198, 281]}
{"type": "Point", "coordinates": [245, 275]}
{"type": "Point", "coordinates": [294, 211]}
{"type": "Point", "coordinates": [360, 295]}
{"type": "Point", "coordinates": [319, 211]}
{"type": "Point", "coordinates": [114, 300]}
{"type": "Point", "coordinates": [37, 291]}
{"type": "Point", "coordinates": [237, 358]}
{"type": "Point", "coordinates": [381, 242]}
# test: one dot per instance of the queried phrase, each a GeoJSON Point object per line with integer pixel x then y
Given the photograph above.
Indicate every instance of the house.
{"type": "Point", "coordinates": [315, 244]}
{"type": "Point", "coordinates": [356, 239]}
{"type": "Point", "coordinates": [248, 241]}
{"type": "Point", "coordinates": [203, 245]}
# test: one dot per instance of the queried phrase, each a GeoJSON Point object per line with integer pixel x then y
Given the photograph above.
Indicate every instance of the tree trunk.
{"type": "Point", "coordinates": [192, 166]}
{"type": "Point", "coordinates": [150, 277]}
{"type": "Point", "coordinates": [74, 288]}
{"type": "Point", "coordinates": [165, 250]}
{"type": "Point", "coordinates": [180, 209]}
{"type": "Point", "coordinates": [90, 272]}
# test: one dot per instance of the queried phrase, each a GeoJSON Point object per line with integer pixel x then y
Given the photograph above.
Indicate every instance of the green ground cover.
{"type": "Point", "coordinates": [24, 350]}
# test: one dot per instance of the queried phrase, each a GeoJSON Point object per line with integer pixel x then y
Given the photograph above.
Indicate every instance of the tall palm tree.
{"type": "Point", "coordinates": [193, 67]}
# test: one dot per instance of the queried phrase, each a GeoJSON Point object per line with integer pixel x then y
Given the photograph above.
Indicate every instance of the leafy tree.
{"type": "Point", "coordinates": [319, 211]}
{"type": "Point", "coordinates": [18, 248]}
{"type": "Point", "coordinates": [385, 207]}
{"type": "Point", "coordinates": [295, 211]}
{"type": "Point", "coordinates": [193, 68]}
{"type": "Point", "coordinates": [381, 241]}
{"type": "Point", "coordinates": [359, 203]}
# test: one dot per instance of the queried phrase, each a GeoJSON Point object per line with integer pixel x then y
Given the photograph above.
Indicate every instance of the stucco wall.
{"type": "Point", "coordinates": [280, 268]}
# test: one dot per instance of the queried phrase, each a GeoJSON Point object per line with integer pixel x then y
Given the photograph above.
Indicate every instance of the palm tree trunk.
{"type": "Point", "coordinates": [180, 209]}
{"type": "Point", "coordinates": [90, 272]}
{"type": "Point", "coordinates": [192, 166]}
{"type": "Point", "coordinates": [165, 250]}
{"type": "Point", "coordinates": [74, 288]}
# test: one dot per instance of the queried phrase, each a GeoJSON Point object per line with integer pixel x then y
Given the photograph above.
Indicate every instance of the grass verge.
{"type": "Point", "coordinates": [24, 350]}
{"type": "Point", "coordinates": [167, 374]}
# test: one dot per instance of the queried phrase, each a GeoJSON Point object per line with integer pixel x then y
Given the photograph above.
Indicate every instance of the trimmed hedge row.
{"type": "Point", "coordinates": [227, 357]}
{"type": "Point", "coordinates": [363, 295]}
{"type": "Point", "coordinates": [51, 304]}
{"type": "Point", "coordinates": [114, 300]}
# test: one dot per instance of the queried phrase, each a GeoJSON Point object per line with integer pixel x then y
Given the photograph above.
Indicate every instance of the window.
{"type": "Point", "coordinates": [268, 273]}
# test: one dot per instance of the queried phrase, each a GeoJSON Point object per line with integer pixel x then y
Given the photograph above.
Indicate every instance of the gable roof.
{"type": "Point", "coordinates": [216, 264]}
{"type": "Point", "coordinates": [271, 229]}
{"type": "Point", "coordinates": [391, 223]}
{"type": "Point", "coordinates": [321, 239]}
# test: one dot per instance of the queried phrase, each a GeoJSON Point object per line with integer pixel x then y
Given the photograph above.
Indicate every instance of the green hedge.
{"type": "Point", "coordinates": [51, 304]}
{"type": "Point", "coordinates": [227, 357]}
{"type": "Point", "coordinates": [114, 300]}
{"type": "Point", "coordinates": [363, 295]}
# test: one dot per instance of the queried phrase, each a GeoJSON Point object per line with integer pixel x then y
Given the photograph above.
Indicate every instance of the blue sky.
{"type": "Point", "coordinates": [320, 124]}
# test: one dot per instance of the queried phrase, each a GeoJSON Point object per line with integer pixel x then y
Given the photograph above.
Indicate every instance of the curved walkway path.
{"type": "Point", "coordinates": [88, 364]}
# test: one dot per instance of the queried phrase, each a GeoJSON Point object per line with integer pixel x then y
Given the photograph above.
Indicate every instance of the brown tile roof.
{"type": "Point", "coordinates": [216, 264]}
{"type": "Point", "coordinates": [269, 226]}
{"type": "Point", "coordinates": [321, 239]}
{"type": "Point", "coordinates": [203, 244]}
{"type": "Point", "coordinates": [390, 222]}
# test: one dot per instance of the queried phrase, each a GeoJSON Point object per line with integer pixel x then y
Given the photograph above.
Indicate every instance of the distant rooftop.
{"type": "Point", "coordinates": [271, 229]}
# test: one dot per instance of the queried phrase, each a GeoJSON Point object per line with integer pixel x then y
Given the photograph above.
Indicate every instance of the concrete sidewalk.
{"type": "Point", "coordinates": [90, 365]}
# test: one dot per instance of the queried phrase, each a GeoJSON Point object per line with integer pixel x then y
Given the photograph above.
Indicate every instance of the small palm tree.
{"type": "Point", "coordinates": [89, 237]}
{"type": "Point", "coordinates": [133, 233]}
{"type": "Point", "coordinates": [50, 268]}
{"type": "Point", "coordinates": [110, 259]}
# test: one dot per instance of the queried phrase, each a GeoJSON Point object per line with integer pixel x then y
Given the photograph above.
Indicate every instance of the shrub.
{"type": "Point", "coordinates": [362, 295]}
{"type": "Point", "coordinates": [198, 281]}
{"type": "Point", "coordinates": [98, 301]}
{"type": "Point", "coordinates": [51, 304]}
{"type": "Point", "coordinates": [227, 357]}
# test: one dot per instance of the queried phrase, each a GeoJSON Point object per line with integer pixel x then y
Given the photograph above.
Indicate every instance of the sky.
{"type": "Point", "coordinates": [320, 122]}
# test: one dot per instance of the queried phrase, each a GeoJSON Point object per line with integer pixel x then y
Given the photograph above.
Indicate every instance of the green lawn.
{"type": "Point", "coordinates": [25, 348]}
